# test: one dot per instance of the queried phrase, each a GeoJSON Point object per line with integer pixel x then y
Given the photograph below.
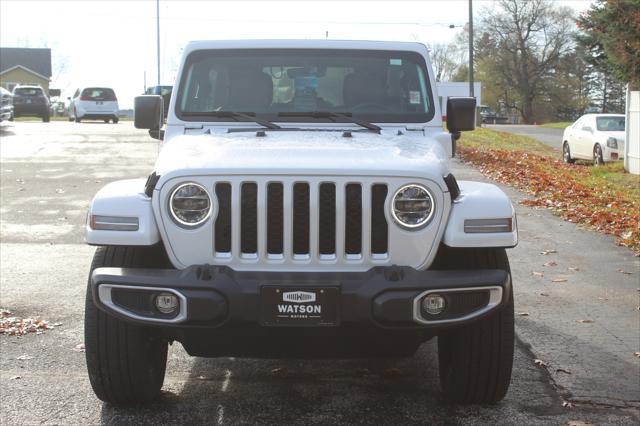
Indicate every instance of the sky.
{"type": "Point", "coordinates": [113, 43]}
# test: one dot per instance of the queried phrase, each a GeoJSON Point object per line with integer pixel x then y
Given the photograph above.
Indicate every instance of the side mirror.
{"type": "Point", "coordinates": [148, 113]}
{"type": "Point", "coordinates": [461, 114]}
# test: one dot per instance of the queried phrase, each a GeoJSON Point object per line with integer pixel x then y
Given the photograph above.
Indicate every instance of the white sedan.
{"type": "Point", "coordinates": [595, 137]}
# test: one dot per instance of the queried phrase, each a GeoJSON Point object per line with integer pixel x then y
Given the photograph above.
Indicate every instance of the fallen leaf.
{"type": "Point", "coordinates": [279, 370]}
{"type": "Point", "coordinates": [552, 263]}
{"type": "Point", "coordinates": [622, 271]}
{"type": "Point", "coordinates": [538, 274]}
{"type": "Point", "coordinates": [59, 191]}
{"type": "Point", "coordinates": [562, 370]}
{"type": "Point", "coordinates": [24, 358]}
{"type": "Point", "coordinates": [79, 347]}
{"type": "Point", "coordinates": [573, 268]}
{"type": "Point", "coordinates": [603, 298]}
{"type": "Point", "coordinates": [578, 423]}
{"type": "Point", "coordinates": [15, 377]}
{"type": "Point", "coordinates": [587, 321]}
{"type": "Point", "coordinates": [523, 314]}
{"type": "Point", "coordinates": [636, 354]}
{"type": "Point", "coordinates": [546, 252]}
{"type": "Point", "coordinates": [544, 294]}
{"type": "Point", "coordinates": [567, 404]}
{"type": "Point", "coordinates": [392, 372]}
{"type": "Point", "coordinates": [559, 280]}
{"type": "Point", "coordinates": [540, 363]}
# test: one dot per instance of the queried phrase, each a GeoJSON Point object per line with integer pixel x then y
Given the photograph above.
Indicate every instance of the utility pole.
{"type": "Point", "coordinates": [470, 49]}
{"type": "Point", "coordinates": [158, 34]}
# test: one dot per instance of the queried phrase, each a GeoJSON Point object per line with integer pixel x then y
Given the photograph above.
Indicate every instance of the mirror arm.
{"type": "Point", "coordinates": [454, 139]}
{"type": "Point", "coordinates": [157, 134]}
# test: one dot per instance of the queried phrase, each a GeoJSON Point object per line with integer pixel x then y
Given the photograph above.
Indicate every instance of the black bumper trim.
{"type": "Point", "coordinates": [219, 295]}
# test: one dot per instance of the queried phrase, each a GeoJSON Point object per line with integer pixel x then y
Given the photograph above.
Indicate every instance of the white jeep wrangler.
{"type": "Point", "coordinates": [302, 205]}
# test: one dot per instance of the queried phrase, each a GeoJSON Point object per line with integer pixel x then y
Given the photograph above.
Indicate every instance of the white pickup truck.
{"type": "Point", "coordinates": [302, 205]}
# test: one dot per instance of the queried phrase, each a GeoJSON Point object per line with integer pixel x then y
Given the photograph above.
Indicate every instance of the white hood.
{"type": "Point", "coordinates": [304, 153]}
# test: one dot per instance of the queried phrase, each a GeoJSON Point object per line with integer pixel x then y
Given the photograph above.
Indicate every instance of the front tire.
{"type": "Point", "coordinates": [115, 120]}
{"type": "Point", "coordinates": [126, 363]}
{"type": "Point", "coordinates": [598, 160]}
{"type": "Point", "coordinates": [566, 154]}
{"type": "Point", "coordinates": [475, 361]}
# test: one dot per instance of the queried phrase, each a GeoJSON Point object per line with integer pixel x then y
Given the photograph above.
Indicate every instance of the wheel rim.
{"type": "Point", "coordinates": [597, 156]}
{"type": "Point", "coordinates": [566, 153]}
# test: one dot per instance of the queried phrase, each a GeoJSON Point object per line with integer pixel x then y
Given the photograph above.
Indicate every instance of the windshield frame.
{"type": "Point", "coordinates": [413, 56]}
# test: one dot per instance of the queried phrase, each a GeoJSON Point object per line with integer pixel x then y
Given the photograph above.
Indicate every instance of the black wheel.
{"type": "Point", "coordinates": [126, 363]}
{"type": "Point", "coordinates": [46, 118]}
{"type": "Point", "coordinates": [115, 120]}
{"type": "Point", "coordinates": [12, 117]}
{"type": "Point", "coordinates": [597, 156]}
{"type": "Point", "coordinates": [475, 361]}
{"type": "Point", "coordinates": [566, 154]}
{"type": "Point", "coordinates": [106, 120]}
{"type": "Point", "coordinates": [77, 120]}
{"type": "Point", "coordinates": [70, 118]}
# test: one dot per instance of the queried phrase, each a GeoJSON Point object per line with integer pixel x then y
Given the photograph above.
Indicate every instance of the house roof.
{"type": "Point", "coordinates": [36, 60]}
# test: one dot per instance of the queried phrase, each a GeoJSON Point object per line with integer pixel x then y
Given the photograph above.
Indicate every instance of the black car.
{"type": "Point", "coordinates": [165, 92]}
{"type": "Point", "coordinates": [30, 101]}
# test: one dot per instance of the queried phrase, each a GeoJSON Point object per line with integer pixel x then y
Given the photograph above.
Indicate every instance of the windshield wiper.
{"type": "Point", "coordinates": [235, 116]}
{"type": "Point", "coordinates": [330, 115]}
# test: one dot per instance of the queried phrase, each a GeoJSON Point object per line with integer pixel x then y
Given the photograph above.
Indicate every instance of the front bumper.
{"type": "Point", "coordinates": [214, 297]}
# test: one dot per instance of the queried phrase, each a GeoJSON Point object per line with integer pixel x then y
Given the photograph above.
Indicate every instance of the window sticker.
{"type": "Point", "coordinates": [395, 61]}
{"type": "Point", "coordinates": [414, 97]}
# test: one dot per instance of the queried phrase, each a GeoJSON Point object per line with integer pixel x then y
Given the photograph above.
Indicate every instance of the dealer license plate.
{"type": "Point", "coordinates": [299, 306]}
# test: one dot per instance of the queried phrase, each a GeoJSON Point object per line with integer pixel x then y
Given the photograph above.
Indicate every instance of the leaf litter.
{"type": "Point", "coordinates": [14, 326]}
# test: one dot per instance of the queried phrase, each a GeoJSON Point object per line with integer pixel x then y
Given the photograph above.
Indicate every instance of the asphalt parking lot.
{"type": "Point", "coordinates": [49, 172]}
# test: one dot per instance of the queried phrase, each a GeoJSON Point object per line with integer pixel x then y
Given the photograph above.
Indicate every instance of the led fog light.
{"type": "Point", "coordinates": [166, 303]}
{"type": "Point", "coordinates": [433, 304]}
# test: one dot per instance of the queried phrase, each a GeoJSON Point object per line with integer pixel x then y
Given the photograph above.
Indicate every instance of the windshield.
{"type": "Point", "coordinates": [29, 91]}
{"type": "Point", "coordinates": [382, 86]}
{"type": "Point", "coordinates": [98, 94]}
{"type": "Point", "coordinates": [610, 124]}
{"type": "Point", "coordinates": [158, 90]}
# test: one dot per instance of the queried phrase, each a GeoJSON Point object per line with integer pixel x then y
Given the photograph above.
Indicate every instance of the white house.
{"type": "Point", "coordinates": [446, 89]}
{"type": "Point", "coordinates": [632, 145]}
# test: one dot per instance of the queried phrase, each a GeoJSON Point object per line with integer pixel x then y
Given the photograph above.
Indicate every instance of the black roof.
{"type": "Point", "coordinates": [38, 60]}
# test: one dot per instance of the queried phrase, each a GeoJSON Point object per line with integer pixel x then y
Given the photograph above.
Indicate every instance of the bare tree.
{"type": "Point", "coordinates": [522, 42]}
{"type": "Point", "coordinates": [443, 61]}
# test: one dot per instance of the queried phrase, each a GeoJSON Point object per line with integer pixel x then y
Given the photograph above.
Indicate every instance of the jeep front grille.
{"type": "Point", "coordinates": [301, 220]}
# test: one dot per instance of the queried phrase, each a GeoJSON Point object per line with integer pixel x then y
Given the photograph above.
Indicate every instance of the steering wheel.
{"type": "Point", "coordinates": [370, 105]}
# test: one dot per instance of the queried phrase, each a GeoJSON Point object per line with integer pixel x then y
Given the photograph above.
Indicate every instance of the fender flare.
{"type": "Point", "coordinates": [480, 200]}
{"type": "Point", "coordinates": [122, 200]}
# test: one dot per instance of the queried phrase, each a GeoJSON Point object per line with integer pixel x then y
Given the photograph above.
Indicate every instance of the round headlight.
{"type": "Point", "coordinates": [412, 206]}
{"type": "Point", "coordinates": [190, 204]}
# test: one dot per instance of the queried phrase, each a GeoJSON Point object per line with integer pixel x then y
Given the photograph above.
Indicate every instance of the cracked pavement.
{"type": "Point", "coordinates": [49, 172]}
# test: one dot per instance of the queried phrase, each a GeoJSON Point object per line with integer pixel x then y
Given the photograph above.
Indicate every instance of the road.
{"type": "Point", "coordinates": [551, 137]}
{"type": "Point", "coordinates": [49, 172]}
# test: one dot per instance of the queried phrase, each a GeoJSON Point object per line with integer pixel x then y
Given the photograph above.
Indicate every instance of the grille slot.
{"type": "Point", "coordinates": [379, 228]}
{"type": "Point", "coordinates": [327, 219]}
{"type": "Point", "coordinates": [353, 219]}
{"type": "Point", "coordinates": [275, 220]}
{"type": "Point", "coordinates": [249, 218]}
{"type": "Point", "coordinates": [223, 221]}
{"type": "Point", "coordinates": [301, 218]}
